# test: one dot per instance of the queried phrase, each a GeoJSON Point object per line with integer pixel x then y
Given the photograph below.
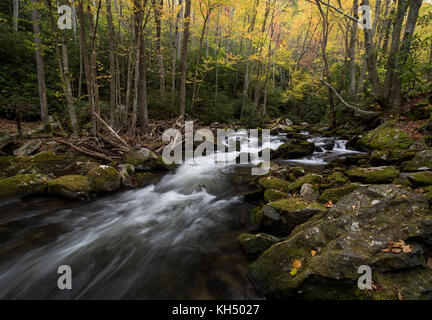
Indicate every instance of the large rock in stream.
{"type": "Point", "coordinates": [146, 160]}
{"type": "Point", "coordinates": [294, 149]}
{"type": "Point", "coordinates": [351, 234]}
{"type": "Point", "coordinates": [22, 185]}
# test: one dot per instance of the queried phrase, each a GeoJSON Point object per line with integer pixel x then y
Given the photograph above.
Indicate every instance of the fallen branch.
{"type": "Point", "coordinates": [112, 131]}
{"type": "Point", "coordinates": [357, 110]}
{"type": "Point", "coordinates": [86, 152]}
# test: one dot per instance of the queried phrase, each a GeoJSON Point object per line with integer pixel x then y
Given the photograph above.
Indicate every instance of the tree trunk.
{"type": "Point", "coordinates": [158, 7]}
{"type": "Point", "coordinates": [15, 15]}
{"type": "Point", "coordinates": [86, 59]}
{"type": "Point", "coordinates": [68, 88]}
{"type": "Point", "coordinates": [404, 51]}
{"type": "Point", "coordinates": [184, 59]}
{"type": "Point", "coordinates": [40, 66]}
{"type": "Point", "coordinates": [352, 53]}
{"type": "Point", "coordinates": [112, 62]}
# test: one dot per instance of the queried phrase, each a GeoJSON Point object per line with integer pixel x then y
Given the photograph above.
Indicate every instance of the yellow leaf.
{"type": "Point", "coordinates": [293, 271]}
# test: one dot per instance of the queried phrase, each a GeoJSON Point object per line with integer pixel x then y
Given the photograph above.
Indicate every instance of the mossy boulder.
{"type": "Point", "coordinates": [311, 178]}
{"type": "Point", "coordinates": [421, 161]}
{"type": "Point", "coordinates": [352, 233]}
{"type": "Point", "coordinates": [420, 111]}
{"type": "Point", "coordinates": [273, 195]}
{"type": "Point", "coordinates": [146, 160]}
{"type": "Point", "coordinates": [22, 185]}
{"type": "Point", "coordinates": [71, 186]}
{"type": "Point", "coordinates": [391, 157]}
{"type": "Point", "coordinates": [373, 175]}
{"type": "Point", "coordinates": [294, 149]}
{"type": "Point", "coordinates": [144, 179]}
{"type": "Point", "coordinates": [282, 216]}
{"type": "Point", "coordinates": [420, 179]}
{"type": "Point", "coordinates": [336, 179]}
{"type": "Point", "coordinates": [104, 179]}
{"type": "Point", "coordinates": [274, 183]}
{"type": "Point", "coordinates": [254, 244]}
{"type": "Point", "coordinates": [387, 136]}
{"type": "Point", "coordinates": [335, 194]}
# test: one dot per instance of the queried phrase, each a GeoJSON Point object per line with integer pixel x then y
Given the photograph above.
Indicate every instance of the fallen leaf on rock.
{"type": "Point", "coordinates": [407, 249]}
{"type": "Point", "coordinates": [329, 204]}
{"type": "Point", "coordinates": [297, 264]}
{"type": "Point", "coordinates": [313, 253]}
{"type": "Point", "coordinates": [386, 250]}
{"type": "Point", "coordinates": [293, 271]}
{"type": "Point", "coordinates": [396, 250]}
{"type": "Point", "coordinates": [353, 207]}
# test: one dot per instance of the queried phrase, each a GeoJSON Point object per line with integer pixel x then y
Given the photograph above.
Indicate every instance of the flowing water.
{"type": "Point", "coordinates": [175, 239]}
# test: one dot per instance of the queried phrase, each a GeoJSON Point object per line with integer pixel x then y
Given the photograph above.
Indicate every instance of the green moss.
{"type": "Point", "coordinates": [104, 179]}
{"type": "Point", "coordinates": [311, 178]}
{"type": "Point", "coordinates": [386, 137]}
{"type": "Point", "coordinates": [274, 183]}
{"type": "Point", "coordinates": [336, 194]}
{"type": "Point", "coordinates": [273, 195]}
{"type": "Point", "coordinates": [256, 243]}
{"type": "Point", "coordinates": [420, 179]}
{"type": "Point", "coordinates": [46, 157]}
{"type": "Point", "coordinates": [373, 175]}
{"type": "Point", "coordinates": [256, 216]}
{"type": "Point", "coordinates": [294, 204]}
{"type": "Point", "coordinates": [21, 185]}
{"type": "Point", "coordinates": [72, 186]}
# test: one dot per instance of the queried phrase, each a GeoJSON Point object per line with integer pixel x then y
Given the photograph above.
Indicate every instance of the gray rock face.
{"type": "Point", "coordinates": [351, 234]}
{"type": "Point", "coordinates": [256, 243]}
{"type": "Point", "coordinates": [309, 193]}
{"type": "Point", "coordinates": [28, 148]}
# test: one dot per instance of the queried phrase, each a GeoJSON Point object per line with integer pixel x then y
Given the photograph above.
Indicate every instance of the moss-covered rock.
{"type": "Point", "coordinates": [254, 244]}
{"type": "Point", "coordinates": [282, 216]}
{"type": "Point", "coordinates": [351, 234]}
{"type": "Point", "coordinates": [336, 179]}
{"type": "Point", "coordinates": [104, 179]}
{"type": "Point", "coordinates": [72, 186]}
{"type": "Point", "coordinates": [273, 195]}
{"type": "Point", "coordinates": [22, 185]}
{"type": "Point", "coordinates": [335, 194]}
{"type": "Point", "coordinates": [311, 178]}
{"type": "Point", "coordinates": [391, 157]}
{"type": "Point", "coordinates": [373, 175]}
{"type": "Point", "coordinates": [420, 111]}
{"type": "Point", "coordinates": [387, 136]}
{"type": "Point", "coordinates": [274, 183]}
{"type": "Point", "coordinates": [146, 160]}
{"type": "Point", "coordinates": [144, 179]}
{"type": "Point", "coordinates": [420, 179]}
{"type": "Point", "coordinates": [294, 149]}
{"type": "Point", "coordinates": [422, 161]}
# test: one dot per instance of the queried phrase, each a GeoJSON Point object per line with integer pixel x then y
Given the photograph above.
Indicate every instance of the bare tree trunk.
{"type": "Point", "coordinates": [352, 53]}
{"type": "Point", "coordinates": [404, 51]}
{"type": "Point", "coordinates": [40, 65]}
{"type": "Point", "coordinates": [112, 48]}
{"type": "Point", "coordinates": [176, 45]}
{"type": "Point", "coordinates": [158, 7]}
{"type": "Point", "coordinates": [86, 59]}
{"type": "Point", "coordinates": [430, 62]}
{"type": "Point", "coordinates": [15, 15]}
{"type": "Point", "coordinates": [184, 59]}
{"type": "Point", "coordinates": [68, 88]}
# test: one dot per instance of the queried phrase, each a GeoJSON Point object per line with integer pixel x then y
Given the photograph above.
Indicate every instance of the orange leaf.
{"type": "Point", "coordinates": [297, 264]}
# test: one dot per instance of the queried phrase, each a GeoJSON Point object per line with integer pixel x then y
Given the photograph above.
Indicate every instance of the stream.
{"type": "Point", "coordinates": [174, 239]}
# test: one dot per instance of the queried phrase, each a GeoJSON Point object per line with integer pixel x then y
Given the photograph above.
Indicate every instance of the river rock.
{"type": "Point", "coordinates": [311, 178]}
{"type": "Point", "coordinates": [288, 122]}
{"type": "Point", "coordinates": [387, 136]}
{"type": "Point", "coordinates": [271, 195]}
{"type": "Point", "coordinates": [421, 179]}
{"type": "Point", "coordinates": [294, 149]}
{"type": "Point", "coordinates": [28, 148]}
{"type": "Point", "coordinates": [349, 235]}
{"type": "Point", "coordinates": [274, 183]}
{"type": "Point", "coordinates": [282, 216]}
{"type": "Point", "coordinates": [421, 162]}
{"type": "Point", "coordinates": [146, 160]}
{"type": "Point", "coordinates": [104, 179]}
{"type": "Point", "coordinates": [335, 194]}
{"type": "Point", "coordinates": [71, 186]}
{"type": "Point", "coordinates": [254, 244]}
{"type": "Point", "coordinates": [373, 175]}
{"type": "Point", "coordinates": [309, 192]}
{"type": "Point", "coordinates": [126, 172]}
{"type": "Point", "coordinates": [22, 185]}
